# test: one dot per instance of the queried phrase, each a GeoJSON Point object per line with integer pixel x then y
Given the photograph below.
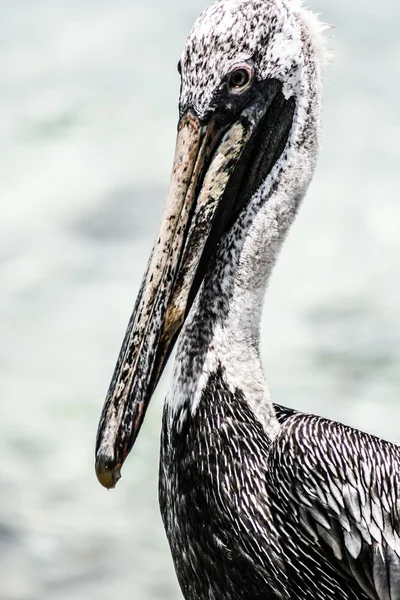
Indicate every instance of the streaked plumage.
{"type": "Point", "coordinates": [259, 502]}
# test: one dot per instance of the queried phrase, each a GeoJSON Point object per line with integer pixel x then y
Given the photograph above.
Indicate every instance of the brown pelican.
{"type": "Point", "coordinates": [259, 502]}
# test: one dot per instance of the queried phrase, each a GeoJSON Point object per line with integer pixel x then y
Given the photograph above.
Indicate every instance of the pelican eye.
{"type": "Point", "coordinates": [179, 67]}
{"type": "Point", "coordinates": [240, 78]}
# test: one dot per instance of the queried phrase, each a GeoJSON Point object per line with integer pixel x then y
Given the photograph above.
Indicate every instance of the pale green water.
{"type": "Point", "coordinates": [87, 128]}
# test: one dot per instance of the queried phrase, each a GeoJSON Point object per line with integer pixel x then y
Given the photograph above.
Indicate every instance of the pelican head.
{"type": "Point", "coordinates": [248, 129]}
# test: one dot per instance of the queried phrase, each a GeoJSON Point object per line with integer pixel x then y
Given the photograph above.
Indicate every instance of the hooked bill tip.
{"type": "Point", "coordinates": [107, 472]}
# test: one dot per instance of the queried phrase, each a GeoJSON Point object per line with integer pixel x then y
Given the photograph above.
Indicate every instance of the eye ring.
{"type": "Point", "coordinates": [240, 78]}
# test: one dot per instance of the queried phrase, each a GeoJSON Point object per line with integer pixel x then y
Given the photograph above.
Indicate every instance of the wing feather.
{"type": "Point", "coordinates": [343, 488]}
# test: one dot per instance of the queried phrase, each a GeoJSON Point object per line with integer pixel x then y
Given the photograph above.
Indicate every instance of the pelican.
{"type": "Point", "coordinates": [259, 502]}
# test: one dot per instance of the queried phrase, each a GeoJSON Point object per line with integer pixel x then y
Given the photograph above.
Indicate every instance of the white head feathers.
{"type": "Point", "coordinates": [279, 36]}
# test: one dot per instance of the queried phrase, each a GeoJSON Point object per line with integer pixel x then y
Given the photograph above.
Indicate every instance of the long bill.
{"type": "Point", "coordinates": [216, 168]}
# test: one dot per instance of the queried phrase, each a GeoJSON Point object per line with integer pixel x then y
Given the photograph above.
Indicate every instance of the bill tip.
{"type": "Point", "coordinates": [108, 473]}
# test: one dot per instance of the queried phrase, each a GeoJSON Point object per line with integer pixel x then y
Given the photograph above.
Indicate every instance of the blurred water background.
{"type": "Point", "coordinates": [87, 129]}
